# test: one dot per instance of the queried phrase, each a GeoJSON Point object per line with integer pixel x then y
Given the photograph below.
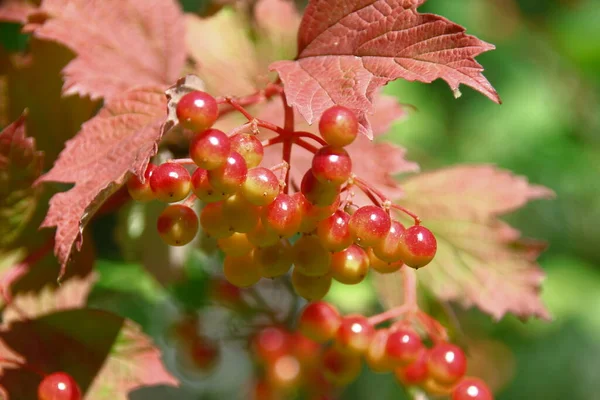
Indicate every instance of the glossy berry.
{"type": "Point", "coordinates": [310, 257]}
{"type": "Point", "coordinates": [235, 245]}
{"type": "Point", "coordinates": [332, 165]}
{"type": "Point", "coordinates": [262, 236]}
{"type": "Point", "coordinates": [311, 287]}
{"type": "Point", "coordinates": [59, 386]}
{"type": "Point", "coordinates": [170, 182]}
{"type": "Point", "coordinates": [312, 214]}
{"type": "Point", "coordinates": [141, 191]}
{"type": "Point", "coordinates": [318, 193]}
{"type": "Point", "coordinates": [230, 176]}
{"type": "Point", "coordinates": [350, 266]}
{"type": "Point", "coordinates": [369, 225]}
{"type": "Point", "coordinates": [354, 334]}
{"type": "Point", "coordinates": [261, 186]}
{"type": "Point", "coordinates": [197, 111]}
{"type": "Point", "coordinates": [209, 149]}
{"type": "Point", "coordinates": [376, 356]}
{"type": "Point", "coordinates": [383, 267]}
{"type": "Point", "coordinates": [338, 126]}
{"type": "Point", "coordinates": [414, 373]}
{"type": "Point", "coordinates": [319, 321]}
{"type": "Point", "coordinates": [333, 231]}
{"type": "Point", "coordinates": [240, 215]}
{"type": "Point", "coordinates": [472, 389]}
{"type": "Point", "coordinates": [389, 249]}
{"type": "Point", "coordinates": [446, 363]}
{"type": "Point", "coordinates": [213, 221]}
{"type": "Point", "coordinates": [241, 271]}
{"type": "Point", "coordinates": [418, 246]}
{"type": "Point", "coordinates": [284, 373]}
{"type": "Point", "coordinates": [340, 368]}
{"type": "Point", "coordinates": [306, 350]}
{"type": "Point", "coordinates": [283, 215]}
{"type": "Point", "coordinates": [270, 343]}
{"type": "Point", "coordinates": [403, 346]}
{"type": "Point", "coordinates": [274, 261]}
{"type": "Point", "coordinates": [249, 147]}
{"type": "Point", "coordinates": [203, 189]}
{"type": "Point", "coordinates": [177, 225]}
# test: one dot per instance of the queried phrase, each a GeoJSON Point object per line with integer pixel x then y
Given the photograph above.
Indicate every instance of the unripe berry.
{"type": "Point", "coordinates": [235, 245]}
{"type": "Point", "coordinates": [311, 287]}
{"type": "Point", "coordinates": [381, 266]}
{"type": "Point", "coordinates": [262, 236]}
{"type": "Point", "coordinates": [249, 147]}
{"type": "Point", "coordinates": [141, 191]}
{"type": "Point", "coordinates": [318, 193]}
{"type": "Point", "coordinates": [339, 368]}
{"type": "Point", "coordinates": [312, 214]}
{"type": "Point", "coordinates": [350, 266]}
{"type": "Point", "coordinates": [203, 189]}
{"type": "Point", "coordinates": [240, 215]}
{"type": "Point", "coordinates": [261, 186]}
{"type": "Point", "coordinates": [230, 176]}
{"type": "Point", "coordinates": [310, 257]}
{"type": "Point", "coordinates": [417, 246]}
{"type": "Point", "coordinates": [274, 261]}
{"type": "Point", "coordinates": [177, 225]}
{"type": "Point", "coordinates": [447, 363]}
{"type": "Point", "coordinates": [59, 386]}
{"type": "Point", "coordinates": [334, 232]}
{"type": "Point", "coordinates": [369, 225]}
{"type": "Point", "coordinates": [355, 334]}
{"type": "Point", "coordinates": [170, 182]}
{"type": "Point", "coordinates": [319, 321]}
{"type": "Point", "coordinates": [213, 221]}
{"type": "Point", "coordinates": [472, 389]}
{"type": "Point", "coordinates": [403, 346]}
{"type": "Point", "coordinates": [209, 149]}
{"type": "Point", "coordinates": [197, 111]}
{"type": "Point", "coordinates": [338, 126]}
{"type": "Point", "coordinates": [241, 271]}
{"type": "Point", "coordinates": [332, 165]}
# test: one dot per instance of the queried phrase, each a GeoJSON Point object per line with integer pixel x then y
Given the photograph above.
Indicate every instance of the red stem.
{"type": "Point", "coordinates": [271, 90]}
{"type": "Point", "coordinates": [309, 135]}
{"type": "Point", "coordinates": [306, 145]}
{"type": "Point", "coordinates": [272, 141]}
{"type": "Point", "coordinates": [22, 365]}
{"type": "Point", "coordinates": [409, 213]}
{"type": "Point", "coordinates": [409, 286]}
{"type": "Point", "coordinates": [182, 161]}
{"type": "Point", "coordinates": [365, 187]}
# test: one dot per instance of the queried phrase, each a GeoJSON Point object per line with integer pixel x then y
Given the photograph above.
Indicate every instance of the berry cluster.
{"type": "Point", "coordinates": [262, 229]}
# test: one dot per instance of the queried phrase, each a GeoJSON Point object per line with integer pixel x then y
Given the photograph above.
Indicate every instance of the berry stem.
{"type": "Point", "coordinates": [272, 141]}
{"type": "Point", "coordinates": [182, 161]}
{"type": "Point", "coordinates": [258, 122]}
{"type": "Point", "coordinates": [409, 285]}
{"type": "Point", "coordinates": [287, 157]}
{"type": "Point", "coordinates": [190, 200]}
{"type": "Point", "coordinates": [22, 365]}
{"type": "Point", "coordinates": [365, 187]}
{"type": "Point", "coordinates": [306, 145]}
{"type": "Point", "coordinates": [311, 136]}
{"type": "Point", "coordinates": [407, 212]}
{"type": "Point", "coordinates": [288, 125]}
{"type": "Point", "coordinates": [271, 90]}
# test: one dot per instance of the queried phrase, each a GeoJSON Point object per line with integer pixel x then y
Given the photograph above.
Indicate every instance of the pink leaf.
{"type": "Point", "coordinates": [481, 261]}
{"type": "Point", "coordinates": [120, 139]}
{"type": "Point", "coordinates": [15, 10]}
{"type": "Point", "coordinates": [349, 49]}
{"type": "Point", "coordinates": [119, 44]}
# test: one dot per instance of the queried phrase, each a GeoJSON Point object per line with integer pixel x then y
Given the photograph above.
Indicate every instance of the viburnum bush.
{"type": "Point", "coordinates": [250, 137]}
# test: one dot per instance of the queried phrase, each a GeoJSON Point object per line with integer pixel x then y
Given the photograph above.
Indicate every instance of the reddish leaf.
{"type": "Point", "coordinates": [121, 138]}
{"type": "Point", "coordinates": [119, 44]}
{"type": "Point", "coordinates": [480, 260]}
{"type": "Point", "coordinates": [20, 166]}
{"type": "Point", "coordinates": [349, 49]}
{"type": "Point", "coordinates": [95, 347]}
{"type": "Point", "coordinates": [15, 10]}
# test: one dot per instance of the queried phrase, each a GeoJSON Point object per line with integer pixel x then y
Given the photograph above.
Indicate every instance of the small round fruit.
{"type": "Point", "coordinates": [283, 215]}
{"type": "Point", "coordinates": [197, 111]}
{"type": "Point", "coordinates": [241, 271]}
{"type": "Point", "coordinates": [240, 214]}
{"type": "Point", "coordinates": [332, 165]}
{"type": "Point", "coordinates": [334, 233]}
{"type": "Point", "coordinates": [355, 334]}
{"type": "Point", "coordinates": [170, 182]}
{"type": "Point", "coordinates": [376, 356]}
{"type": "Point", "coordinates": [262, 236]}
{"type": "Point", "coordinates": [213, 221]}
{"type": "Point", "coordinates": [249, 147]}
{"type": "Point", "coordinates": [235, 245]}
{"type": "Point", "coordinates": [369, 225]}
{"type": "Point", "coordinates": [261, 186]}
{"type": "Point", "coordinates": [311, 287]}
{"type": "Point", "coordinates": [340, 368]}
{"type": "Point", "coordinates": [318, 193]}
{"type": "Point", "coordinates": [403, 346]}
{"type": "Point", "coordinates": [417, 246]}
{"type": "Point", "coordinates": [319, 321]}
{"type": "Point", "coordinates": [284, 373]}
{"type": "Point", "coordinates": [310, 257]}
{"type": "Point", "coordinates": [338, 126]}
{"type": "Point", "coordinates": [311, 214]}
{"type": "Point", "coordinates": [446, 363]}
{"type": "Point", "coordinates": [383, 267]}
{"type": "Point", "coordinates": [141, 191]}
{"type": "Point", "coordinates": [230, 176]}
{"type": "Point", "coordinates": [59, 386]}
{"type": "Point", "coordinates": [350, 266]}
{"type": "Point", "coordinates": [210, 149]}
{"type": "Point", "coordinates": [389, 249]}
{"type": "Point", "coordinates": [415, 373]}
{"type": "Point", "coordinates": [177, 225]}
{"type": "Point", "coordinates": [203, 189]}
{"type": "Point", "coordinates": [270, 343]}
{"type": "Point", "coordinates": [472, 389]}
{"type": "Point", "coordinates": [274, 261]}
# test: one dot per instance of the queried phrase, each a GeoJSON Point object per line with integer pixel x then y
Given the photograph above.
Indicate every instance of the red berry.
{"type": "Point", "coordinates": [369, 225]}
{"type": "Point", "coordinates": [239, 214]}
{"type": "Point", "coordinates": [197, 111]}
{"type": "Point", "coordinates": [383, 267]}
{"type": "Point", "coordinates": [376, 356]}
{"type": "Point", "coordinates": [312, 214]}
{"type": "Point", "coordinates": [261, 186]}
{"type": "Point", "coordinates": [334, 233]}
{"type": "Point", "coordinates": [230, 176]}
{"type": "Point", "coordinates": [59, 386]}
{"type": "Point", "coordinates": [283, 215]}
{"type": "Point", "coordinates": [318, 193]}
{"type": "Point", "coordinates": [447, 363]}
{"type": "Point", "coordinates": [310, 257]}
{"type": "Point", "coordinates": [170, 182]}
{"type": "Point", "coordinates": [472, 389]}
{"type": "Point", "coordinates": [319, 321]}
{"type": "Point", "coordinates": [241, 271]}
{"type": "Point", "coordinates": [355, 334]}
{"type": "Point", "coordinates": [311, 287]}
{"type": "Point", "coordinates": [332, 165]}
{"type": "Point", "coordinates": [338, 126]}
{"type": "Point", "coordinates": [203, 189]}
{"type": "Point", "coordinates": [209, 149]}
{"type": "Point", "coordinates": [389, 249]}
{"type": "Point", "coordinates": [350, 266]}
{"type": "Point", "coordinates": [414, 373]}
{"type": "Point", "coordinates": [274, 261]}
{"type": "Point", "coordinates": [271, 343]}
{"type": "Point", "coordinates": [249, 147]}
{"type": "Point", "coordinates": [417, 246]}
{"type": "Point", "coordinates": [262, 236]}
{"type": "Point", "coordinates": [177, 225]}
{"type": "Point", "coordinates": [306, 350]}
{"type": "Point", "coordinates": [141, 191]}
{"type": "Point", "coordinates": [213, 221]}
{"type": "Point", "coordinates": [403, 346]}
{"type": "Point", "coordinates": [340, 368]}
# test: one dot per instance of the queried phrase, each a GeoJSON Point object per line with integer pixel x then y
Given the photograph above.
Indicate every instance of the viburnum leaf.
{"type": "Point", "coordinates": [20, 166]}
{"type": "Point", "coordinates": [346, 50]}
{"type": "Point", "coordinates": [106, 354]}
{"type": "Point", "coordinates": [16, 10]}
{"type": "Point", "coordinates": [119, 44]}
{"type": "Point", "coordinates": [120, 139]}
{"type": "Point", "coordinates": [480, 261]}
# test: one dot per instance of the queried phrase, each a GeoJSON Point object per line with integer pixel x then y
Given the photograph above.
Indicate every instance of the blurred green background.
{"type": "Point", "coordinates": [546, 68]}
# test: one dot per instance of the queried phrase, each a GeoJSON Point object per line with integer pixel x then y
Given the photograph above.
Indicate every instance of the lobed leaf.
{"type": "Point", "coordinates": [346, 50]}
{"type": "Point", "coordinates": [16, 10]}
